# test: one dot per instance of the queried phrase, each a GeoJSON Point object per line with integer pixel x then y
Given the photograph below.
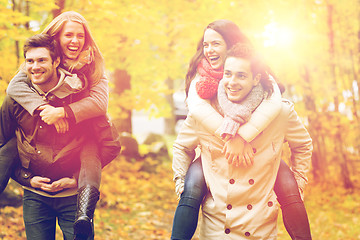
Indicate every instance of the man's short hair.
{"type": "Point", "coordinates": [257, 64]}
{"type": "Point", "coordinates": [246, 51]}
{"type": "Point", "coordinates": [45, 41]}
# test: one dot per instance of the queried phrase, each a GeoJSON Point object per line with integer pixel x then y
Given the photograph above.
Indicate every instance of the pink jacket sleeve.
{"type": "Point", "coordinates": [95, 105]}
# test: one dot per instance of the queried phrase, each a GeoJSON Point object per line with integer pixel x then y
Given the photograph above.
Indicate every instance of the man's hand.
{"type": "Point", "coordinates": [50, 114]}
{"type": "Point", "coordinates": [179, 186]}
{"type": "Point", "coordinates": [65, 183]}
{"type": "Point", "coordinates": [39, 182]}
{"type": "Point", "coordinates": [43, 183]}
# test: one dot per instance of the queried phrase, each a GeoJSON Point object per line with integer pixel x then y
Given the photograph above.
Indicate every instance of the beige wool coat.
{"type": "Point", "coordinates": [241, 203]}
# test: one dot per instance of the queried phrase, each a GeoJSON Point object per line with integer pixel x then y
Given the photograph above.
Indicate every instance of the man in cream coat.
{"type": "Point", "coordinates": [241, 203]}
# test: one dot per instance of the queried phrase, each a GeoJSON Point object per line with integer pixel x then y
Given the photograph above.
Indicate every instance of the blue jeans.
{"type": "Point", "coordinates": [187, 212]}
{"type": "Point", "coordinates": [294, 213]}
{"type": "Point", "coordinates": [40, 214]}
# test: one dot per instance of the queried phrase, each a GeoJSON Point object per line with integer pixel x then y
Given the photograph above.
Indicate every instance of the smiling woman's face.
{"type": "Point", "coordinates": [72, 39]}
{"type": "Point", "coordinates": [215, 48]}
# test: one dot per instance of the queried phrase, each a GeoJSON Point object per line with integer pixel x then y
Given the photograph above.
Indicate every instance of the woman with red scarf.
{"type": "Point", "coordinates": [202, 80]}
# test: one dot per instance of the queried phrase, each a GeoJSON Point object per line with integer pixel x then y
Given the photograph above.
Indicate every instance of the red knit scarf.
{"type": "Point", "coordinates": [208, 84]}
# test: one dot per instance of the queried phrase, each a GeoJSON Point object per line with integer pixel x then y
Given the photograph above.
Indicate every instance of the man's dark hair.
{"type": "Point", "coordinates": [45, 41]}
{"type": "Point", "coordinates": [257, 64]}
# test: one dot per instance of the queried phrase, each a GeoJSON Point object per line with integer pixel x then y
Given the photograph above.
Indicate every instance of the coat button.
{"type": "Point", "coordinates": [251, 181]}
{"type": "Point", "coordinates": [38, 152]}
{"type": "Point", "coordinates": [270, 204]}
{"type": "Point", "coordinates": [231, 181]}
{"type": "Point", "coordinates": [227, 231]}
{"type": "Point", "coordinates": [40, 126]}
{"type": "Point", "coordinates": [229, 207]}
{"type": "Point", "coordinates": [249, 207]}
{"type": "Point", "coordinates": [247, 234]}
{"type": "Point", "coordinates": [254, 150]}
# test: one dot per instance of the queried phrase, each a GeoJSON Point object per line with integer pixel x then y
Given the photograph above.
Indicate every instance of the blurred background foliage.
{"type": "Point", "coordinates": [312, 45]}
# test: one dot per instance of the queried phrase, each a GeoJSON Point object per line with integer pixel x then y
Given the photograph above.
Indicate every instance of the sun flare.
{"type": "Point", "coordinates": [276, 35]}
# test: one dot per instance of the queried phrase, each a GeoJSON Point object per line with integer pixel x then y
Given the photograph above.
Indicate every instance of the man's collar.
{"type": "Point", "coordinates": [68, 84]}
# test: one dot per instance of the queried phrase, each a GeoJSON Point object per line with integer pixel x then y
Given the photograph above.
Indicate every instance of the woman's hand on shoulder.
{"type": "Point", "coordinates": [54, 116]}
{"type": "Point", "coordinates": [248, 155]}
{"type": "Point", "coordinates": [62, 125]}
{"type": "Point", "coordinates": [50, 114]}
{"type": "Point", "coordinates": [237, 151]}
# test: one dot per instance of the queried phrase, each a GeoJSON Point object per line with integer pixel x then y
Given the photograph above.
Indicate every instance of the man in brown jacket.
{"type": "Point", "coordinates": [49, 160]}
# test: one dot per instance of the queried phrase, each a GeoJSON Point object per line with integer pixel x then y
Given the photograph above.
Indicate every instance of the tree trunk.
{"type": "Point", "coordinates": [170, 121]}
{"type": "Point", "coordinates": [61, 4]}
{"type": "Point", "coordinates": [122, 83]}
{"type": "Point", "coordinates": [358, 37]}
{"type": "Point", "coordinates": [16, 44]}
{"type": "Point", "coordinates": [319, 156]}
{"type": "Point", "coordinates": [339, 147]}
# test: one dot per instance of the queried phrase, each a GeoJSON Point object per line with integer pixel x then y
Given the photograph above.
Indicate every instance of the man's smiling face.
{"type": "Point", "coordinates": [40, 67]}
{"type": "Point", "coordinates": [238, 79]}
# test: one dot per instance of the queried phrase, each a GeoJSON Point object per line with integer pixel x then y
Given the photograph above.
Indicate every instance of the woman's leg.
{"type": "Point", "coordinates": [9, 156]}
{"type": "Point", "coordinates": [88, 192]}
{"type": "Point", "coordinates": [8, 146]}
{"type": "Point", "coordinates": [187, 211]}
{"type": "Point", "coordinates": [293, 209]}
{"type": "Point", "coordinates": [108, 138]}
{"type": "Point", "coordinates": [90, 169]}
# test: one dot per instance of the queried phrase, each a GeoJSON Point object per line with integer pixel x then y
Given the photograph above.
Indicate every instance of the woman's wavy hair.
{"type": "Point", "coordinates": [96, 68]}
{"type": "Point", "coordinates": [231, 35]}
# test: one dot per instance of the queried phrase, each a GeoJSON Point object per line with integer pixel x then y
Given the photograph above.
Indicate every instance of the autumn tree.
{"type": "Point", "coordinates": [312, 46]}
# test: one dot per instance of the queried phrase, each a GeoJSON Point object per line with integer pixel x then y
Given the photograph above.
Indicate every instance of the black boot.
{"type": "Point", "coordinates": [86, 202]}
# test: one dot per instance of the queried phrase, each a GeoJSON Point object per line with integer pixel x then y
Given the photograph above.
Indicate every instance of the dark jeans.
{"type": "Point", "coordinates": [187, 211]}
{"type": "Point", "coordinates": [40, 214]}
{"type": "Point", "coordinates": [293, 209]}
{"type": "Point", "coordinates": [8, 158]}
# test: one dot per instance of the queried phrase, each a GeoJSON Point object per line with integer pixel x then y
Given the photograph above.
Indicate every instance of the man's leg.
{"type": "Point", "coordinates": [66, 211]}
{"type": "Point", "coordinates": [39, 217]}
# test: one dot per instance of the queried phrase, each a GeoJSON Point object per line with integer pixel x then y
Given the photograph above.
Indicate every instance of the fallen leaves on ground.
{"type": "Point", "coordinates": [138, 205]}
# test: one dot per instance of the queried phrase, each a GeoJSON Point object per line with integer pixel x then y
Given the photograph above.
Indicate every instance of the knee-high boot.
{"type": "Point", "coordinates": [86, 202]}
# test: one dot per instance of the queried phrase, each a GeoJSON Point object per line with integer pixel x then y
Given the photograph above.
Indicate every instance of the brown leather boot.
{"type": "Point", "coordinates": [86, 202]}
